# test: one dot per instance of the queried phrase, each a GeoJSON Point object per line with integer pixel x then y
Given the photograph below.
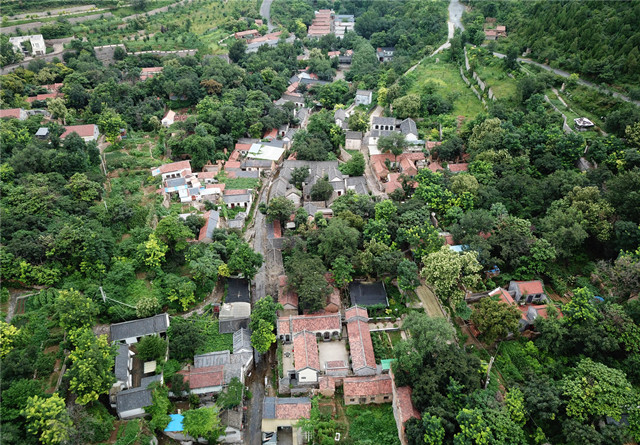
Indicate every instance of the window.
{"type": "Point", "coordinates": [386, 397]}
{"type": "Point", "coordinates": [363, 400]}
{"type": "Point", "coordinates": [352, 400]}
{"type": "Point", "coordinates": [373, 399]}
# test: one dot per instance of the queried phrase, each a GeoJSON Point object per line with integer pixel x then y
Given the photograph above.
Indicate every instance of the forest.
{"type": "Point", "coordinates": [599, 40]}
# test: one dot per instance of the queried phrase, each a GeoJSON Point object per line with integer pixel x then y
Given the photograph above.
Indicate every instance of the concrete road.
{"type": "Point", "coordinates": [566, 74]}
{"type": "Point", "coordinates": [253, 427]}
{"type": "Point", "coordinates": [455, 21]}
{"type": "Point", "coordinates": [265, 11]}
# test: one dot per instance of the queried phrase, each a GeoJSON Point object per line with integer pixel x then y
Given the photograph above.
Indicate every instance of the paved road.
{"type": "Point", "coordinates": [455, 21]}
{"type": "Point", "coordinates": [265, 11]}
{"type": "Point", "coordinates": [253, 429]}
{"type": "Point", "coordinates": [566, 74]}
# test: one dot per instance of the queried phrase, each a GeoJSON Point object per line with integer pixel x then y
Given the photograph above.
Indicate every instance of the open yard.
{"type": "Point", "coordinates": [492, 72]}
{"type": "Point", "coordinates": [371, 424]}
{"type": "Point", "coordinates": [447, 81]}
{"type": "Point", "coordinates": [428, 299]}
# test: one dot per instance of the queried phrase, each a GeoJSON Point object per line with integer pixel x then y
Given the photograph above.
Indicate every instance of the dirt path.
{"type": "Point", "coordinates": [429, 302]}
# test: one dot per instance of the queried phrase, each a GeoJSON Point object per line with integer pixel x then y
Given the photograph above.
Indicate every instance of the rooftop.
{"type": "Point", "coordinates": [204, 377]}
{"type": "Point", "coordinates": [314, 323]}
{"type": "Point", "coordinates": [293, 408]}
{"type": "Point", "coordinates": [530, 287]}
{"type": "Point", "coordinates": [237, 291]}
{"type": "Point", "coordinates": [361, 346]}
{"type": "Point", "coordinates": [305, 351]}
{"type": "Point", "coordinates": [367, 386]}
{"type": "Point", "coordinates": [368, 294]}
{"type": "Point", "coordinates": [81, 130]}
{"type": "Point", "coordinates": [286, 296]}
{"type": "Point", "coordinates": [138, 328]}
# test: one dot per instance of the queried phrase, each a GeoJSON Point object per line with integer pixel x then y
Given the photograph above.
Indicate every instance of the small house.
{"type": "Point", "coordinates": [363, 97]}
{"type": "Point", "coordinates": [365, 390]}
{"type": "Point", "coordinates": [42, 133]}
{"type": "Point", "coordinates": [385, 54]}
{"type": "Point", "coordinates": [353, 140]}
{"type": "Point", "coordinates": [528, 292]}
{"type": "Point", "coordinates": [168, 119]}
{"type": "Point", "coordinates": [13, 113]}
{"type": "Point", "coordinates": [87, 132]}
{"type": "Point", "coordinates": [280, 413]}
{"type": "Point", "coordinates": [306, 358]}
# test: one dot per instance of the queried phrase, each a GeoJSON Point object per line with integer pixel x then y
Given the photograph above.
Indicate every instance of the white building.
{"type": "Point", "coordinates": [38, 47]}
{"type": "Point", "coordinates": [364, 97]}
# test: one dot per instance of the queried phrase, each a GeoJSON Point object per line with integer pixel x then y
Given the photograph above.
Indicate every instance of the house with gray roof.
{"type": "Point", "coordinates": [353, 140]}
{"type": "Point", "coordinates": [363, 97]}
{"type": "Point", "coordinates": [242, 341]}
{"type": "Point", "coordinates": [131, 403]}
{"type": "Point", "coordinates": [238, 198]}
{"type": "Point", "coordinates": [132, 331]}
{"type": "Point", "coordinates": [212, 222]}
{"type": "Point", "coordinates": [340, 118]}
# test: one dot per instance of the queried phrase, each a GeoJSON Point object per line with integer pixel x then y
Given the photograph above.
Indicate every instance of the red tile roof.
{"type": "Point", "coordinates": [530, 287]}
{"type": "Point", "coordinates": [32, 99]}
{"type": "Point", "coordinates": [82, 130]}
{"type": "Point", "coordinates": [273, 133]}
{"type": "Point", "coordinates": [248, 32]}
{"type": "Point", "coordinates": [333, 301]}
{"type": "Point", "coordinates": [326, 382]}
{"type": "Point", "coordinates": [305, 351]}
{"type": "Point", "coordinates": [54, 87]}
{"type": "Point", "coordinates": [220, 186]}
{"type": "Point", "coordinates": [204, 377]}
{"type": "Point", "coordinates": [367, 386]}
{"type": "Point", "coordinates": [286, 296]}
{"type": "Point", "coordinates": [393, 183]}
{"type": "Point", "coordinates": [406, 410]}
{"type": "Point", "coordinates": [11, 112]}
{"type": "Point", "coordinates": [361, 346]}
{"type": "Point", "coordinates": [336, 364]}
{"type": "Point", "coordinates": [277, 229]}
{"type": "Point", "coordinates": [434, 166]}
{"type": "Point", "coordinates": [232, 164]}
{"type": "Point", "coordinates": [314, 323]}
{"type": "Point", "coordinates": [355, 311]}
{"type": "Point", "coordinates": [430, 145]}
{"type": "Point", "coordinates": [293, 410]}
{"type": "Point", "coordinates": [504, 295]}
{"type": "Point", "coordinates": [175, 166]}
{"type": "Point", "coordinates": [455, 168]}
{"type": "Point", "coordinates": [293, 87]}
{"type": "Point", "coordinates": [449, 240]}
{"type": "Point", "coordinates": [333, 53]}
{"type": "Point", "coordinates": [266, 37]}
{"type": "Point", "coordinates": [235, 192]}
{"type": "Point", "coordinates": [206, 175]}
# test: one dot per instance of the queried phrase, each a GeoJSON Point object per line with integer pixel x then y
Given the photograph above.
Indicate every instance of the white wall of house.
{"type": "Point", "coordinates": [308, 375]}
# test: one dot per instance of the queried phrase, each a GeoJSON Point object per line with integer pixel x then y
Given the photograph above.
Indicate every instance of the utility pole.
{"type": "Point", "coordinates": [486, 383]}
{"type": "Point", "coordinates": [105, 298]}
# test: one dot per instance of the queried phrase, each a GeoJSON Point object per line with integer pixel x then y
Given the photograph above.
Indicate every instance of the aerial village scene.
{"type": "Point", "coordinates": [360, 222]}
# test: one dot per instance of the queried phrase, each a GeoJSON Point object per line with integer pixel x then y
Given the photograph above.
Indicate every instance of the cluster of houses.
{"type": "Point", "coordinates": [88, 132]}
{"type": "Point", "coordinates": [326, 22]}
{"type": "Point", "coordinates": [207, 377]}
{"type": "Point", "coordinates": [528, 296]}
{"type": "Point", "coordinates": [315, 359]}
{"type": "Point", "coordinates": [492, 31]}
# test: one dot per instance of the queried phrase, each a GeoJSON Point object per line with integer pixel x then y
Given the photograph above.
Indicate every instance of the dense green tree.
{"type": "Point", "coordinates": [74, 310]}
{"type": "Point", "coordinates": [321, 190]}
{"type": "Point", "coordinates": [495, 319]}
{"type": "Point", "coordinates": [280, 209]}
{"type": "Point", "coordinates": [152, 347]}
{"type": "Point", "coordinates": [48, 419]}
{"type": "Point", "coordinates": [448, 271]}
{"type": "Point", "coordinates": [338, 239]}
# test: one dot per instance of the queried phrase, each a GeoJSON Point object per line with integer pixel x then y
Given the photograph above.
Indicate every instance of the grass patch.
{"type": "Point", "coordinates": [370, 424]}
{"type": "Point", "coordinates": [492, 73]}
{"type": "Point", "coordinates": [446, 77]}
{"type": "Point", "coordinates": [396, 337]}
{"type": "Point", "coordinates": [382, 347]}
{"type": "Point", "coordinates": [215, 340]}
{"type": "Point", "coordinates": [241, 183]}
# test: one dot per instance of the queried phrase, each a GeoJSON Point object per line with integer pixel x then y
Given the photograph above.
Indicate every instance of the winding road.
{"type": "Point", "coordinates": [455, 21]}
{"type": "Point", "coordinates": [265, 11]}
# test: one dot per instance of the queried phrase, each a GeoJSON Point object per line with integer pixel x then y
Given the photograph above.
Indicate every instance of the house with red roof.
{"type": "Point", "coordinates": [334, 303]}
{"type": "Point", "coordinates": [363, 360]}
{"type": "Point", "coordinates": [206, 380]}
{"type": "Point", "coordinates": [248, 34]}
{"type": "Point", "coordinates": [148, 73]}
{"type": "Point", "coordinates": [173, 170]}
{"type": "Point", "coordinates": [285, 412]}
{"type": "Point", "coordinates": [306, 358]}
{"type": "Point", "coordinates": [287, 297]}
{"type": "Point", "coordinates": [528, 292]}
{"type": "Point", "coordinates": [46, 96]}
{"type": "Point", "coordinates": [403, 408]}
{"type": "Point", "coordinates": [529, 311]}
{"type": "Point", "coordinates": [364, 390]}
{"type": "Point", "coordinates": [457, 168]}
{"type": "Point", "coordinates": [325, 326]}
{"type": "Point", "coordinates": [87, 132]}
{"type": "Point", "coordinates": [13, 113]}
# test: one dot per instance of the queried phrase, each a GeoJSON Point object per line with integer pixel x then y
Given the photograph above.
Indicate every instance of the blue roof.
{"type": "Point", "coordinates": [175, 425]}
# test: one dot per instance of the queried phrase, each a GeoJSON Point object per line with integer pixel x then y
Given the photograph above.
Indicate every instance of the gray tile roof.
{"type": "Point", "coordinates": [211, 359]}
{"type": "Point", "coordinates": [384, 121]}
{"type": "Point", "coordinates": [245, 197]}
{"type": "Point", "coordinates": [122, 363]}
{"type": "Point", "coordinates": [242, 341]}
{"type": "Point", "coordinates": [269, 408]}
{"type": "Point", "coordinates": [136, 398]}
{"type": "Point", "coordinates": [354, 135]}
{"type": "Point", "coordinates": [363, 92]}
{"type": "Point", "coordinates": [214, 218]}
{"type": "Point", "coordinates": [408, 126]}
{"type": "Point", "coordinates": [256, 163]}
{"type": "Point", "coordinates": [340, 114]}
{"type": "Point", "coordinates": [139, 328]}
{"type": "Point", "coordinates": [367, 294]}
{"type": "Point", "coordinates": [176, 182]}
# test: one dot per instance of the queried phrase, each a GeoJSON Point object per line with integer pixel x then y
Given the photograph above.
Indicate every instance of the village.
{"type": "Point", "coordinates": [295, 234]}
